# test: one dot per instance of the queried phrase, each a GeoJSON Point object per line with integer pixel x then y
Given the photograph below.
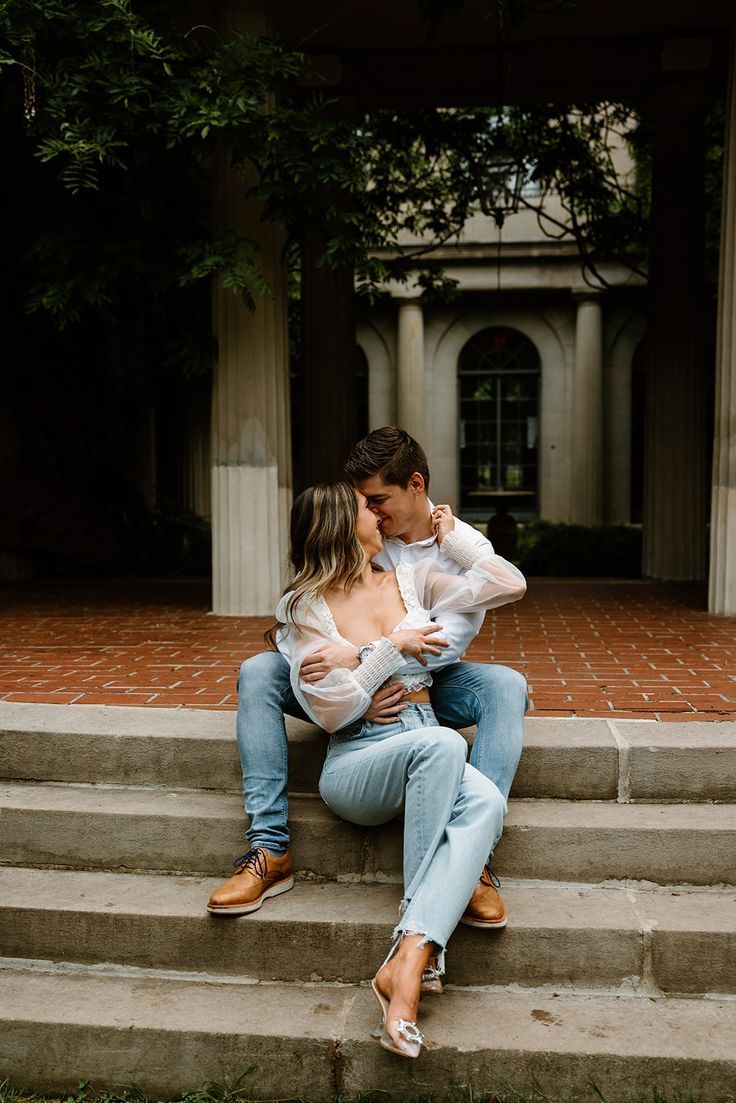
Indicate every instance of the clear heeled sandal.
{"type": "Point", "coordinates": [400, 1036]}
{"type": "Point", "coordinates": [395, 1030]}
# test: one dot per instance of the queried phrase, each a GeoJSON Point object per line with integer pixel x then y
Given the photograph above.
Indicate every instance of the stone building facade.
{"type": "Point", "coordinates": [521, 388]}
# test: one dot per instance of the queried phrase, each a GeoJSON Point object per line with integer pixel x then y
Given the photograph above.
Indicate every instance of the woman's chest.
{"type": "Point", "coordinates": [358, 616]}
{"type": "Point", "coordinates": [367, 617]}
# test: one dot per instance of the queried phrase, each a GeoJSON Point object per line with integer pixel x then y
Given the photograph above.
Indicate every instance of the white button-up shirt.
{"type": "Point", "coordinates": [460, 629]}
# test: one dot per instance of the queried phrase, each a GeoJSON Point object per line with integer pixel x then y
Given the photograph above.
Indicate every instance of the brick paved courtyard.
{"type": "Point", "coordinates": [588, 648]}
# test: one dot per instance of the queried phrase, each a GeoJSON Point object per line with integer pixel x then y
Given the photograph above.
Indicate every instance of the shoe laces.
{"type": "Point", "coordinates": [254, 861]}
{"type": "Point", "coordinates": [491, 876]}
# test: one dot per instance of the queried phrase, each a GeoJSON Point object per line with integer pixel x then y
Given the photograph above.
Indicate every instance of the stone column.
{"type": "Point", "coordinates": [722, 588]}
{"type": "Point", "coordinates": [411, 389]}
{"type": "Point", "coordinates": [587, 406]}
{"type": "Point", "coordinates": [327, 364]}
{"type": "Point", "coordinates": [251, 448]}
{"type": "Point", "coordinates": [674, 513]}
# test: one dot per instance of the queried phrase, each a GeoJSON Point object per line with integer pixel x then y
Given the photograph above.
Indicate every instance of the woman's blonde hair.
{"type": "Point", "coordinates": [324, 547]}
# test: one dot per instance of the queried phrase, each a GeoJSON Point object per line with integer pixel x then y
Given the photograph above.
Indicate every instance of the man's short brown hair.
{"type": "Point", "coordinates": [390, 453]}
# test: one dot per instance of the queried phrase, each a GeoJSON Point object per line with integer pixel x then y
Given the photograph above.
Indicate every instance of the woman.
{"type": "Point", "coordinates": [453, 815]}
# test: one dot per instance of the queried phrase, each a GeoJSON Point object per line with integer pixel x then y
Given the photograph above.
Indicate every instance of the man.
{"type": "Point", "coordinates": [390, 468]}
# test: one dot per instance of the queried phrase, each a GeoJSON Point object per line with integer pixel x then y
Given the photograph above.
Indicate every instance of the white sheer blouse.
{"type": "Point", "coordinates": [345, 695]}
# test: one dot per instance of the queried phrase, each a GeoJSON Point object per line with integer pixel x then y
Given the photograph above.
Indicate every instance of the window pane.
{"type": "Point", "coordinates": [498, 384]}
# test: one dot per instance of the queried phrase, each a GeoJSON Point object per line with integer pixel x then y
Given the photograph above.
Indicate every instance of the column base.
{"type": "Point", "coordinates": [249, 545]}
{"type": "Point", "coordinates": [722, 583]}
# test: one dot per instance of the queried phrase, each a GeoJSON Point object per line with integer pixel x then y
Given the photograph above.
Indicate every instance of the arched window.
{"type": "Point", "coordinates": [498, 381]}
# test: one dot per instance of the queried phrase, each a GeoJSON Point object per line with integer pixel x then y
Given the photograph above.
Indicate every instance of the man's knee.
{"type": "Point", "coordinates": [486, 685]}
{"type": "Point", "coordinates": [260, 673]}
{"type": "Point", "coordinates": [484, 795]}
{"type": "Point", "coordinates": [504, 681]}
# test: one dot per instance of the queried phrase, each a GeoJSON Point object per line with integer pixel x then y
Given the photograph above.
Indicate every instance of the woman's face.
{"type": "Point", "coordinates": [366, 527]}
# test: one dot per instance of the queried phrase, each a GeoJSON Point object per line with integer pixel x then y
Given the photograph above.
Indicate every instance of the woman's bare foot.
{"type": "Point", "coordinates": [399, 982]}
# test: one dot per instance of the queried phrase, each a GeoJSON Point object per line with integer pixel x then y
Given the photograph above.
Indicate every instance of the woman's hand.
{"type": "Point", "coordinates": [419, 641]}
{"type": "Point", "coordinates": [443, 521]}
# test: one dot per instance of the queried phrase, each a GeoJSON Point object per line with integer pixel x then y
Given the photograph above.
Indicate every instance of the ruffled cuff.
{"type": "Point", "coordinates": [383, 661]}
{"type": "Point", "coordinates": [462, 550]}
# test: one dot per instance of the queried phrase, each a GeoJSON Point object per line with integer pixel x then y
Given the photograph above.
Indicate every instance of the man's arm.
{"type": "Point", "coordinates": [331, 656]}
{"type": "Point", "coordinates": [336, 656]}
{"type": "Point", "coordinates": [459, 630]}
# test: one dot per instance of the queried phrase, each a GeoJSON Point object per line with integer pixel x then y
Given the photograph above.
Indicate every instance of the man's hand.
{"type": "Point", "coordinates": [443, 521]}
{"type": "Point", "coordinates": [333, 656]}
{"type": "Point", "coordinates": [386, 704]}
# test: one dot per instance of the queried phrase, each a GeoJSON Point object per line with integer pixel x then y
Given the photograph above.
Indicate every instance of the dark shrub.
{"type": "Point", "coordinates": [598, 551]}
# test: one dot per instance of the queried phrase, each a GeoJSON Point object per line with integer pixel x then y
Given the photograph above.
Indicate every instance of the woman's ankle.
{"type": "Point", "coordinates": [400, 977]}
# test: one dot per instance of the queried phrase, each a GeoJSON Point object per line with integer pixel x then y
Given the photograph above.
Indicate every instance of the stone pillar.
{"type": "Point", "coordinates": [587, 405]}
{"type": "Point", "coordinates": [410, 382]}
{"type": "Point", "coordinates": [674, 512]}
{"type": "Point", "coordinates": [251, 449]}
{"type": "Point", "coordinates": [722, 587]}
{"type": "Point", "coordinates": [327, 364]}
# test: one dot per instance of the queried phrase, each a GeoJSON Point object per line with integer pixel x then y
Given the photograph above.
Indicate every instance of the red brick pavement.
{"type": "Point", "coordinates": [588, 648]}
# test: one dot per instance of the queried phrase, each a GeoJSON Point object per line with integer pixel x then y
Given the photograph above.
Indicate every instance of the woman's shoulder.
{"type": "Point", "coordinates": [308, 612]}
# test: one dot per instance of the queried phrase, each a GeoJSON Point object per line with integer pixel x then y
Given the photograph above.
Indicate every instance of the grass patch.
{"type": "Point", "coordinates": [236, 1092]}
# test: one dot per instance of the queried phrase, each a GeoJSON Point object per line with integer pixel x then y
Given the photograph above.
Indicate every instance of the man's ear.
{"type": "Point", "coordinates": [416, 483]}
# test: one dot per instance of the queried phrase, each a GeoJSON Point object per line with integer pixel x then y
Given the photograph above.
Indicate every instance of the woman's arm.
{"type": "Point", "coordinates": [488, 580]}
{"type": "Point", "coordinates": [344, 695]}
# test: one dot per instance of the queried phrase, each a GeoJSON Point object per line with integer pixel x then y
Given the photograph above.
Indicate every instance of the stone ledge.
{"type": "Point", "coordinates": [564, 758]}
{"type": "Point", "coordinates": [573, 934]}
{"type": "Point", "coordinates": [168, 1036]}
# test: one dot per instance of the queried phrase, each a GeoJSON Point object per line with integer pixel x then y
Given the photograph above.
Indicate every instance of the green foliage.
{"type": "Point", "coordinates": [578, 551]}
{"type": "Point", "coordinates": [133, 104]}
{"type": "Point", "coordinates": [237, 1092]}
{"type": "Point", "coordinates": [233, 257]}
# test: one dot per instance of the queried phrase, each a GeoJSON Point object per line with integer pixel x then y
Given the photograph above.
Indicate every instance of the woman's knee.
{"type": "Point", "coordinates": [444, 747]}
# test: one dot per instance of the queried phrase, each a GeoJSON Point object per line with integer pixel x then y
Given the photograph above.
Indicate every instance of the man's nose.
{"type": "Point", "coordinates": [375, 510]}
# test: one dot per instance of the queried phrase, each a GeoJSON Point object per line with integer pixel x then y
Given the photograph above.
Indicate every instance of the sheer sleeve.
{"type": "Point", "coordinates": [342, 695]}
{"type": "Point", "coordinates": [488, 580]}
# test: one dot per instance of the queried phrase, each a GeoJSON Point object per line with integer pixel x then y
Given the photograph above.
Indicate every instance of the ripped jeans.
{"type": "Point", "coordinates": [453, 815]}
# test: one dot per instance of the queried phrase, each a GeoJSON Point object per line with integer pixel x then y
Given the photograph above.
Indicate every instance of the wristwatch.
{"type": "Point", "coordinates": [364, 651]}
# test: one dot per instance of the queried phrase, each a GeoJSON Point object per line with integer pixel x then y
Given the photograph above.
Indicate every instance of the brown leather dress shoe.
{"type": "Point", "coordinates": [258, 875]}
{"type": "Point", "coordinates": [486, 908]}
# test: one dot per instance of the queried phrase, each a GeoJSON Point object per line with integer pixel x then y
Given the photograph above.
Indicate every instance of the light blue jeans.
{"type": "Point", "coordinates": [493, 697]}
{"type": "Point", "coordinates": [453, 815]}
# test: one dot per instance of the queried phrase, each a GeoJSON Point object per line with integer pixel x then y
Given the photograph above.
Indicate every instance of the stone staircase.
{"type": "Point", "coordinates": [618, 967]}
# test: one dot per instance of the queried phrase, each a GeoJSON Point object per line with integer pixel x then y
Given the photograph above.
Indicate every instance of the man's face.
{"type": "Point", "coordinates": [398, 509]}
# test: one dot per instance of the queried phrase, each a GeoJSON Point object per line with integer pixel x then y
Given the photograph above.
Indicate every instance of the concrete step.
{"type": "Point", "coordinates": [129, 829]}
{"type": "Point", "coordinates": [562, 935]}
{"type": "Point", "coordinates": [563, 758]}
{"type": "Point", "coordinates": [168, 1036]}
